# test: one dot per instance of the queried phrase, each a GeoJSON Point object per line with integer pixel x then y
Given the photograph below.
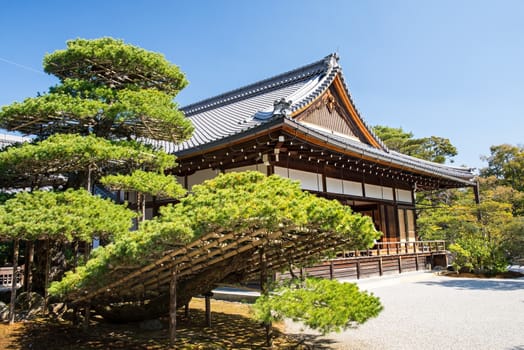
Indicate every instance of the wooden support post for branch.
{"type": "Point", "coordinates": [172, 308]}
{"type": "Point", "coordinates": [208, 296]}
{"type": "Point", "coordinates": [87, 315]}
{"type": "Point", "coordinates": [76, 316]}
{"type": "Point", "coordinates": [75, 254]}
{"type": "Point", "coordinates": [28, 270]}
{"type": "Point", "coordinates": [186, 311]}
{"type": "Point", "coordinates": [16, 243]}
{"type": "Point", "coordinates": [47, 247]}
{"type": "Point", "coordinates": [264, 291]}
{"type": "Point", "coordinates": [143, 207]}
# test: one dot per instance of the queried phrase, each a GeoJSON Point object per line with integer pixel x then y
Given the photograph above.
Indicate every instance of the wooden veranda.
{"type": "Point", "coordinates": [384, 258]}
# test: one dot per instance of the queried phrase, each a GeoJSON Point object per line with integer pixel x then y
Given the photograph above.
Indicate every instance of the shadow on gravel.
{"type": "Point", "coordinates": [479, 284]}
{"type": "Point", "coordinates": [310, 341]}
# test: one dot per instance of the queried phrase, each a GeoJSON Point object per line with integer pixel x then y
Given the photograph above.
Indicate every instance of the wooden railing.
{"type": "Point", "coordinates": [6, 277]}
{"type": "Point", "coordinates": [397, 248]}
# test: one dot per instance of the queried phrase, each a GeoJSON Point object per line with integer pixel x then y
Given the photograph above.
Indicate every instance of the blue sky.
{"type": "Point", "coordinates": [446, 68]}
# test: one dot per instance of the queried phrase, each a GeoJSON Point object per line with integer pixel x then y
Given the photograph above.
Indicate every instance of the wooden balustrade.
{"type": "Point", "coordinates": [398, 248]}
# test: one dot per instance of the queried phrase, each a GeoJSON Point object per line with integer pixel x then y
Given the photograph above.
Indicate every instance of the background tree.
{"type": "Point", "coordinates": [506, 164]}
{"type": "Point", "coordinates": [434, 148]}
{"type": "Point", "coordinates": [484, 237]}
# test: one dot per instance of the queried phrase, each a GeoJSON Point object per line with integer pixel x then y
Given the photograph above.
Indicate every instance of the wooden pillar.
{"type": "Point", "coordinates": [400, 264]}
{"type": "Point", "coordinates": [172, 308]}
{"type": "Point", "coordinates": [208, 296]}
{"type": "Point", "coordinates": [380, 268]}
{"type": "Point", "coordinates": [476, 192]}
{"type": "Point", "coordinates": [16, 243]}
{"type": "Point", "coordinates": [416, 261]}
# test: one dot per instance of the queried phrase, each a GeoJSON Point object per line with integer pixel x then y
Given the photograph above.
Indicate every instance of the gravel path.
{"type": "Point", "coordinates": [426, 311]}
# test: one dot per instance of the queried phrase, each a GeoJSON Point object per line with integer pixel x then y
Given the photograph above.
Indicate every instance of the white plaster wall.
{"type": "Point", "coordinates": [353, 188]}
{"type": "Point", "coordinates": [404, 196]}
{"type": "Point", "coordinates": [308, 181]}
{"type": "Point", "coordinates": [387, 193]}
{"type": "Point", "coordinates": [373, 191]}
{"type": "Point", "coordinates": [379, 192]}
{"type": "Point", "coordinates": [199, 177]}
{"type": "Point", "coordinates": [334, 185]}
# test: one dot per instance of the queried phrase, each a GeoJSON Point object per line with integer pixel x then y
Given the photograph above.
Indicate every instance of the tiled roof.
{"type": "Point", "coordinates": [460, 174]}
{"type": "Point", "coordinates": [8, 139]}
{"type": "Point", "coordinates": [248, 109]}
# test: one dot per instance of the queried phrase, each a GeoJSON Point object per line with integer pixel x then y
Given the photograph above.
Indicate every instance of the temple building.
{"type": "Point", "coordinates": [303, 125]}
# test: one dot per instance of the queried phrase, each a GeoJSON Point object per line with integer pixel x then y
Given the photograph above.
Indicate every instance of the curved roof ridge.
{"type": "Point", "coordinates": [307, 97]}
{"type": "Point", "coordinates": [428, 162]}
{"type": "Point", "coordinates": [264, 85]}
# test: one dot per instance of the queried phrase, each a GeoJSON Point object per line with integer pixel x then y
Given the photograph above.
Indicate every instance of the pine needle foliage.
{"type": "Point", "coordinates": [62, 216]}
{"type": "Point", "coordinates": [65, 153]}
{"type": "Point", "coordinates": [230, 203]}
{"type": "Point", "coordinates": [321, 304]}
{"type": "Point", "coordinates": [107, 88]}
{"type": "Point", "coordinates": [145, 182]}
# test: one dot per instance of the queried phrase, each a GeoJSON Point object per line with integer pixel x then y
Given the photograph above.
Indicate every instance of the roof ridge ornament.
{"type": "Point", "coordinates": [282, 107]}
{"type": "Point", "coordinates": [332, 60]}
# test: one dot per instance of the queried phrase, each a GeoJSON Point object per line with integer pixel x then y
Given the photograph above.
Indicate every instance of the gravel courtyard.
{"type": "Point", "coordinates": [426, 311]}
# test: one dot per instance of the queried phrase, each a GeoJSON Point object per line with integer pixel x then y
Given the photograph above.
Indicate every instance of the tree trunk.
{"type": "Point", "coordinates": [13, 281]}
{"type": "Point", "coordinates": [28, 270]}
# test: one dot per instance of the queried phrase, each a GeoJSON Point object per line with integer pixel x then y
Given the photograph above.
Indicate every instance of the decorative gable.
{"type": "Point", "coordinates": [328, 114]}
